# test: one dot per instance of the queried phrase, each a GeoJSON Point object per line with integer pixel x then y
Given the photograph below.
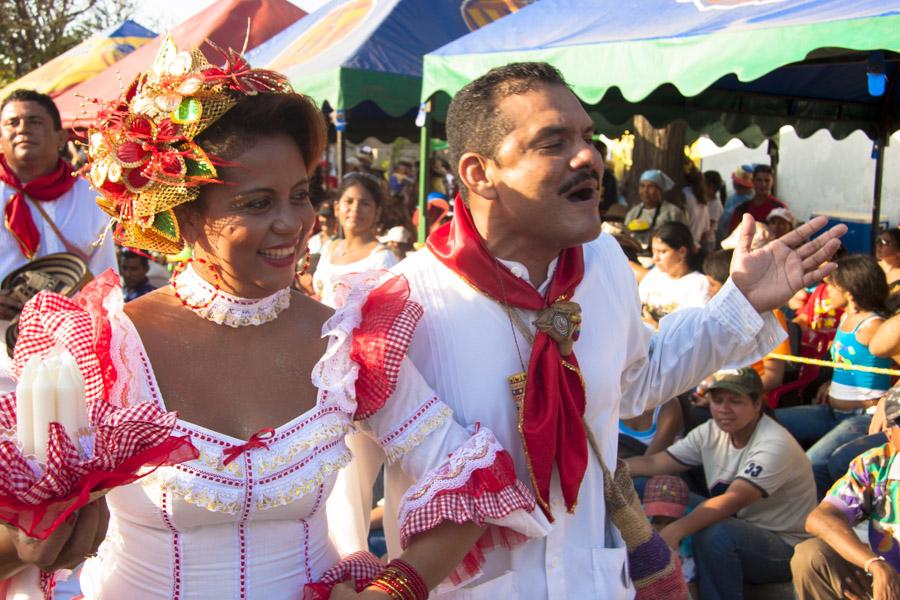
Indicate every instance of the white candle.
{"type": "Point", "coordinates": [25, 405]}
{"type": "Point", "coordinates": [71, 411]}
{"type": "Point", "coordinates": [44, 400]}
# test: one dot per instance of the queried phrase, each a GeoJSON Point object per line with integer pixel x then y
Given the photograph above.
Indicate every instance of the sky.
{"type": "Point", "coordinates": [164, 14]}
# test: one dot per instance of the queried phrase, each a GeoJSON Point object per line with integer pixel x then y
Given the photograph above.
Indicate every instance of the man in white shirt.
{"type": "Point", "coordinates": [31, 174]}
{"type": "Point", "coordinates": [523, 248]}
{"type": "Point", "coordinates": [31, 171]}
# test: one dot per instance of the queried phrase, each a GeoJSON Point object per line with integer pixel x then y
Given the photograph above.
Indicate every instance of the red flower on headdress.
{"type": "Point", "coordinates": [238, 75]}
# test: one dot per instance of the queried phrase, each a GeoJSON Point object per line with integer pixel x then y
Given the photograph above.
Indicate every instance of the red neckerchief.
{"type": "Point", "coordinates": [17, 215]}
{"type": "Point", "coordinates": [552, 427]}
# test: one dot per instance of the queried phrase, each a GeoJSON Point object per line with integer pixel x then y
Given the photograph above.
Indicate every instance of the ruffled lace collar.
{"type": "Point", "coordinates": [223, 308]}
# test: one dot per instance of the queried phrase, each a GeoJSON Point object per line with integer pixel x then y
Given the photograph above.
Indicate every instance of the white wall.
{"type": "Point", "coordinates": [819, 174]}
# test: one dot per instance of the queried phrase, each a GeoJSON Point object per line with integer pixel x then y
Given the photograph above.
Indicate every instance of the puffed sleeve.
{"type": "Point", "coordinates": [461, 474]}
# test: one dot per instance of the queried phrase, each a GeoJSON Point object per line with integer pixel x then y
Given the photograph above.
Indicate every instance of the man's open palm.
{"type": "Point", "coordinates": [770, 275]}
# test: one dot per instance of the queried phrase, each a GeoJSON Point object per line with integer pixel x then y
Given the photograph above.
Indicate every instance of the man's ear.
{"type": "Point", "coordinates": [474, 173]}
{"type": "Point", "coordinates": [62, 140]}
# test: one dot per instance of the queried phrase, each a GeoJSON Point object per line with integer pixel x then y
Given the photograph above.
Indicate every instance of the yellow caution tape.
{"type": "Point", "coordinates": [834, 365]}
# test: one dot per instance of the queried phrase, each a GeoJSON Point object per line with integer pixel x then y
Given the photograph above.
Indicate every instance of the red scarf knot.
{"type": "Point", "coordinates": [257, 440]}
{"type": "Point", "coordinates": [552, 410]}
{"type": "Point", "coordinates": [16, 213]}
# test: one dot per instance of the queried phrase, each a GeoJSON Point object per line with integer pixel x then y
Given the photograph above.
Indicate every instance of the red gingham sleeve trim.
{"type": "Point", "coordinates": [476, 484]}
{"type": "Point", "coordinates": [380, 342]}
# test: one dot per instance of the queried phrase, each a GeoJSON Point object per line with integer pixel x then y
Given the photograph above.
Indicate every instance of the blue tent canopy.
{"type": "Point", "coordinates": [351, 51]}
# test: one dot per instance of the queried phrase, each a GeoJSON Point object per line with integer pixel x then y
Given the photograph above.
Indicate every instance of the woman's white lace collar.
{"type": "Point", "coordinates": [225, 309]}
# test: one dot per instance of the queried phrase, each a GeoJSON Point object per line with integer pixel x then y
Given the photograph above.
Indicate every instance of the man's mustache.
{"type": "Point", "coordinates": [578, 179]}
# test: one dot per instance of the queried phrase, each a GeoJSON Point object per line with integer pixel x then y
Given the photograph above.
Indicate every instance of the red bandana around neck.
{"type": "Point", "coordinates": [552, 428]}
{"type": "Point", "coordinates": [17, 214]}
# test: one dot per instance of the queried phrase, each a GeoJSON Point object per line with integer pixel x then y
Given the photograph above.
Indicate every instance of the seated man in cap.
{"type": "Point", "coordinates": [652, 211]}
{"type": "Point", "coordinates": [761, 484]}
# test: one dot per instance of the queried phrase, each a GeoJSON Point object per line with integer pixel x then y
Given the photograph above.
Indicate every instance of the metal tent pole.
{"type": "Point", "coordinates": [424, 121]}
{"type": "Point", "coordinates": [880, 146]}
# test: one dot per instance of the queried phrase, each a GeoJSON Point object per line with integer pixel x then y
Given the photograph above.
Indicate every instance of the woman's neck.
{"type": "Point", "coordinates": [854, 310]}
{"type": "Point", "coordinates": [354, 242]}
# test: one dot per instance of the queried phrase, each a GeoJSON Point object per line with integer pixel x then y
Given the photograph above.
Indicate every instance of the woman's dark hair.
{"type": "Point", "coordinates": [677, 235]}
{"type": "Point", "coordinates": [368, 182]}
{"type": "Point", "coordinates": [861, 276]}
{"type": "Point", "coordinates": [263, 115]}
{"type": "Point", "coordinates": [714, 181]}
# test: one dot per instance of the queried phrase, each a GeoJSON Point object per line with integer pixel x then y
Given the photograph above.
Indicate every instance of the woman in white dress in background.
{"type": "Point", "coordinates": [361, 197]}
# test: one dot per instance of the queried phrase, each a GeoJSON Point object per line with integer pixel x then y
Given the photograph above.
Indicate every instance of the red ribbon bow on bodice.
{"type": "Point", "coordinates": [257, 440]}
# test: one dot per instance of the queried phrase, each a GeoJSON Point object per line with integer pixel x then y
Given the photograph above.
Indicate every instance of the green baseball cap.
{"type": "Point", "coordinates": [740, 381]}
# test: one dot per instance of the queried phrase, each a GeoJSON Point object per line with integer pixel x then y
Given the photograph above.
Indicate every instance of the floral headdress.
{"type": "Point", "coordinates": [142, 158]}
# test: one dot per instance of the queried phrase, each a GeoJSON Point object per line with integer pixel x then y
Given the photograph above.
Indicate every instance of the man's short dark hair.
{"type": "Point", "coordinates": [473, 119]}
{"type": "Point", "coordinates": [129, 254]}
{"type": "Point", "coordinates": [762, 169]}
{"type": "Point", "coordinates": [718, 264]}
{"type": "Point", "coordinates": [44, 100]}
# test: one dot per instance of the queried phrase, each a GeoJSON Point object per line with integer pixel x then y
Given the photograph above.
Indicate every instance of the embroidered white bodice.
{"type": "Point", "coordinates": [255, 528]}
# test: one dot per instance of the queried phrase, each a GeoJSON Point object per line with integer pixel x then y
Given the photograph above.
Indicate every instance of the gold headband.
{"type": "Point", "coordinates": [141, 155]}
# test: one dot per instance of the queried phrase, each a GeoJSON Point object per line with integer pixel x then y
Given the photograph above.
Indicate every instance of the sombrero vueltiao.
{"type": "Point", "coordinates": [62, 273]}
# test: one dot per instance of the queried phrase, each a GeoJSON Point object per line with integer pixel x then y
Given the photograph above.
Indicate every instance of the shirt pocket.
{"type": "Point", "coordinates": [611, 579]}
{"type": "Point", "coordinates": [503, 587]}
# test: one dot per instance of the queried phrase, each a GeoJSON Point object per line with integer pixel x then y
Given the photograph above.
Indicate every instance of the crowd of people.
{"type": "Point", "coordinates": [310, 349]}
{"type": "Point", "coordinates": [756, 453]}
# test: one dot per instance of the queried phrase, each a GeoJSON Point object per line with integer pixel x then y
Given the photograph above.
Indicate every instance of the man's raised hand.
{"type": "Point", "coordinates": [770, 275]}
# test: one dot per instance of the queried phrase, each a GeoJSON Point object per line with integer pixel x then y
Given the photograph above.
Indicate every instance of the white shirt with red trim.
{"type": "Point", "coordinates": [465, 347]}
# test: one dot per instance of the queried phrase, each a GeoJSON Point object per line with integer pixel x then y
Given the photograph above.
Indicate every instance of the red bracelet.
{"type": "Point", "coordinates": [420, 588]}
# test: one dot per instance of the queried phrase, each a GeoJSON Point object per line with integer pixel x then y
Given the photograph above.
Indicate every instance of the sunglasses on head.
{"type": "Point", "coordinates": [885, 242]}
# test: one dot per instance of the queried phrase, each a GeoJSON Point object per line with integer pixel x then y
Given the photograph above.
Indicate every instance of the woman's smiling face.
{"type": "Point", "coordinates": [255, 225]}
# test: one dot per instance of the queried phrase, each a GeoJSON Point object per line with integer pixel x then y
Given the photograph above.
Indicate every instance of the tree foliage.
{"type": "Point", "coordinates": [35, 31]}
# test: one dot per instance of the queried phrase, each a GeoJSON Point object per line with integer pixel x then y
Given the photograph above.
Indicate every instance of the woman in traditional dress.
{"type": "Point", "coordinates": [266, 382]}
{"type": "Point", "coordinates": [361, 199]}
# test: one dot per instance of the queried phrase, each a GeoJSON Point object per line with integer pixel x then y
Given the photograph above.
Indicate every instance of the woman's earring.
{"type": "Point", "coordinates": [306, 260]}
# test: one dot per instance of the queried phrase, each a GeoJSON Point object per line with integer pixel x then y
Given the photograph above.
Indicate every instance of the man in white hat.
{"type": "Point", "coordinates": [652, 211]}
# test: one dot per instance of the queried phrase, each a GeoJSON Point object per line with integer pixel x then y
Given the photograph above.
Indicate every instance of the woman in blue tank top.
{"type": "Point", "coordinates": [859, 287]}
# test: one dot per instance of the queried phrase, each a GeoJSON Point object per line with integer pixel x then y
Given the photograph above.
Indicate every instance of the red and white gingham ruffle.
{"type": "Point", "coordinates": [358, 568]}
{"type": "Point", "coordinates": [126, 440]}
{"type": "Point", "coordinates": [371, 332]}
{"type": "Point", "coordinates": [477, 483]}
